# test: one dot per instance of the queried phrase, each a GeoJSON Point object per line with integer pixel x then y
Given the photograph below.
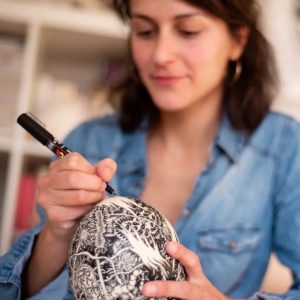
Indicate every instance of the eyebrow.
{"type": "Point", "coordinates": [177, 17]}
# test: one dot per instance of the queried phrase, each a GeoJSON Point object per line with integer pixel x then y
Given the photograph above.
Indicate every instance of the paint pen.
{"type": "Point", "coordinates": [37, 129]}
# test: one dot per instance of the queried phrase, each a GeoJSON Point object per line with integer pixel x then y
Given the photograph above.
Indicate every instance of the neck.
{"type": "Point", "coordinates": [189, 130]}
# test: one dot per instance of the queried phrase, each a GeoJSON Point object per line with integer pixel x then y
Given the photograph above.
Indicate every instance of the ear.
{"type": "Point", "coordinates": [240, 40]}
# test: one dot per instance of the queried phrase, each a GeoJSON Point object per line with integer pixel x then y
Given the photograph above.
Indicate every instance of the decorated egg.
{"type": "Point", "coordinates": [118, 246]}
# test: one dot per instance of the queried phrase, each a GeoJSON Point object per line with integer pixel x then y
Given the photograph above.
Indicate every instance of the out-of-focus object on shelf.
{"type": "Point", "coordinates": [84, 4]}
{"type": "Point", "coordinates": [11, 55]}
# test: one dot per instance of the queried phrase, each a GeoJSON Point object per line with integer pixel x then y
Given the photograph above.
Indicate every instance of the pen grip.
{"type": "Point", "coordinates": [59, 149]}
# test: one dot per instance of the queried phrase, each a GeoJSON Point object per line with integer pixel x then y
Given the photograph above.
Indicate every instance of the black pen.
{"type": "Point", "coordinates": [37, 129]}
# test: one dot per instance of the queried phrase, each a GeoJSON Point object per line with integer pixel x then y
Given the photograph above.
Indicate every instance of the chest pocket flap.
{"type": "Point", "coordinates": [226, 254]}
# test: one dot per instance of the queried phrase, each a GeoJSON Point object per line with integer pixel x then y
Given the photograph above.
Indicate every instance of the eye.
{"type": "Point", "coordinates": [189, 33]}
{"type": "Point", "coordinates": [145, 33]}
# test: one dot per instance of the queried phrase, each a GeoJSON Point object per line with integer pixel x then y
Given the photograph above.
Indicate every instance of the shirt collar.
{"type": "Point", "coordinates": [133, 151]}
{"type": "Point", "coordinates": [230, 140]}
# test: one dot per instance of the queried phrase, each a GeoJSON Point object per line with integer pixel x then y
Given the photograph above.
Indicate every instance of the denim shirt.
{"type": "Point", "coordinates": [244, 204]}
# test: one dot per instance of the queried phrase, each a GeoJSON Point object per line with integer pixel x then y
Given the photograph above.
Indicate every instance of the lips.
{"type": "Point", "coordinates": [166, 79]}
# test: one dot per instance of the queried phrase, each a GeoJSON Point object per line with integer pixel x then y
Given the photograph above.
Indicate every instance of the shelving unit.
{"type": "Point", "coordinates": [4, 156]}
{"type": "Point", "coordinates": [67, 43]}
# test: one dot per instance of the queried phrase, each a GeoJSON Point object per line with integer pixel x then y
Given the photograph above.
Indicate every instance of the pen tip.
{"type": "Point", "coordinates": [110, 190]}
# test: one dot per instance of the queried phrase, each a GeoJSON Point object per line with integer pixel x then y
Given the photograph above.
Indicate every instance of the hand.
{"type": "Point", "coordinates": [71, 189]}
{"type": "Point", "coordinates": [196, 287]}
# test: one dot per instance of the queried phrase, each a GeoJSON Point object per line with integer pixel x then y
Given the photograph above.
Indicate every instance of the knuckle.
{"type": "Point", "coordinates": [71, 179]}
{"type": "Point", "coordinates": [185, 288]}
{"type": "Point", "coordinates": [44, 198]}
{"type": "Point", "coordinates": [96, 182]}
{"type": "Point", "coordinates": [81, 196]}
{"type": "Point", "coordinates": [73, 160]}
{"type": "Point", "coordinates": [52, 165]}
{"type": "Point", "coordinates": [194, 260]}
{"type": "Point", "coordinates": [163, 288]}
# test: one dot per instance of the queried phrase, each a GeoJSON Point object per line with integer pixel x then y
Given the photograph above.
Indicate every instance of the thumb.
{"type": "Point", "coordinates": [106, 169]}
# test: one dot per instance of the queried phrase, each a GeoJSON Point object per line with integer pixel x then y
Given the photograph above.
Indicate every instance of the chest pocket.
{"type": "Point", "coordinates": [226, 255]}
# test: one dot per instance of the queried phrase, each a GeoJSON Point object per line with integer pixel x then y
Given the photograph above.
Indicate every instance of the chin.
{"type": "Point", "coordinates": [167, 107]}
{"type": "Point", "coordinates": [171, 104]}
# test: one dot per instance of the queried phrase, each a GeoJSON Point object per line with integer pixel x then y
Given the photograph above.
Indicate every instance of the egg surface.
{"type": "Point", "coordinates": [118, 246]}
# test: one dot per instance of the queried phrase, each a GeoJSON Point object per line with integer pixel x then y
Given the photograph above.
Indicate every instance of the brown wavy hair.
{"type": "Point", "coordinates": [246, 100]}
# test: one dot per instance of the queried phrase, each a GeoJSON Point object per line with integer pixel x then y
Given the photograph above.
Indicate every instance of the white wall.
{"type": "Point", "coordinates": [281, 20]}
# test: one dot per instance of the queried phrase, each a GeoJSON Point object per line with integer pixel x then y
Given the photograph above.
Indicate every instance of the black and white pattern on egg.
{"type": "Point", "coordinates": [119, 246]}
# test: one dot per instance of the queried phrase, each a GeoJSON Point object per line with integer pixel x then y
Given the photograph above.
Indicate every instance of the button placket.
{"type": "Point", "coordinates": [233, 244]}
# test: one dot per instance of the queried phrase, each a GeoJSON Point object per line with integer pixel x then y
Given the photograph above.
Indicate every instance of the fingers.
{"type": "Point", "coordinates": [75, 172]}
{"type": "Point", "coordinates": [75, 180]}
{"type": "Point", "coordinates": [179, 289]}
{"type": "Point", "coordinates": [176, 289]}
{"type": "Point", "coordinates": [187, 258]}
{"type": "Point", "coordinates": [196, 287]}
{"type": "Point", "coordinates": [71, 198]}
{"type": "Point", "coordinates": [72, 162]}
{"type": "Point", "coordinates": [70, 189]}
{"type": "Point", "coordinates": [106, 169]}
{"type": "Point", "coordinates": [72, 180]}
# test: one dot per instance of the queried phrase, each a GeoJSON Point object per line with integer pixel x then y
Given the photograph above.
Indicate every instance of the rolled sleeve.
{"type": "Point", "coordinates": [12, 265]}
{"type": "Point", "coordinates": [13, 262]}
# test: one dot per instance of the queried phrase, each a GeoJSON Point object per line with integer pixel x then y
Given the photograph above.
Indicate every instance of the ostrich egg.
{"type": "Point", "coordinates": [118, 246]}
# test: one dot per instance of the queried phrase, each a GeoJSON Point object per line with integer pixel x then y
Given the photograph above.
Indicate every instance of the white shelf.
{"type": "Point", "coordinates": [31, 148]}
{"type": "Point", "coordinates": [76, 45]}
{"type": "Point", "coordinates": [66, 43]}
{"type": "Point", "coordinates": [6, 139]}
{"type": "Point", "coordinates": [104, 22]}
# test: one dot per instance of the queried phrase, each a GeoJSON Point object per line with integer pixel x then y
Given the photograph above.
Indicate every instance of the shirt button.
{"type": "Point", "coordinates": [233, 244]}
{"type": "Point", "coordinates": [186, 212]}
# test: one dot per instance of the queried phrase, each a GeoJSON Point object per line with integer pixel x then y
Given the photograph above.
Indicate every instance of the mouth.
{"type": "Point", "coordinates": [167, 80]}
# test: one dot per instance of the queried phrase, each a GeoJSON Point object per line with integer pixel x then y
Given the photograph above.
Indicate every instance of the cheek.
{"type": "Point", "coordinates": [139, 54]}
{"type": "Point", "coordinates": [209, 60]}
{"type": "Point", "coordinates": [198, 60]}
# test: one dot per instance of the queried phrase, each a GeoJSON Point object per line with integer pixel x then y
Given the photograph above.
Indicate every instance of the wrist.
{"type": "Point", "coordinates": [62, 235]}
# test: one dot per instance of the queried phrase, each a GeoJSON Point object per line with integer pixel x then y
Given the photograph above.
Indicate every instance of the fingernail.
{"type": "Point", "coordinates": [172, 247]}
{"type": "Point", "coordinates": [107, 171]}
{"type": "Point", "coordinates": [150, 289]}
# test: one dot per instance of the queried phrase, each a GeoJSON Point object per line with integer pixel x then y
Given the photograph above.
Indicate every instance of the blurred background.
{"type": "Point", "coordinates": [56, 59]}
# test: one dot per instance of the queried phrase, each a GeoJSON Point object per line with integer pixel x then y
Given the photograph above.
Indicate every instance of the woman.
{"type": "Point", "coordinates": [194, 133]}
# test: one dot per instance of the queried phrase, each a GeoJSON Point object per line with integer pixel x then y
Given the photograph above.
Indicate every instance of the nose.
{"type": "Point", "coordinates": [164, 50]}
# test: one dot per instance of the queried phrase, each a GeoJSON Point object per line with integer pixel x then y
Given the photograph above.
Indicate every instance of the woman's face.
{"type": "Point", "coordinates": [181, 52]}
